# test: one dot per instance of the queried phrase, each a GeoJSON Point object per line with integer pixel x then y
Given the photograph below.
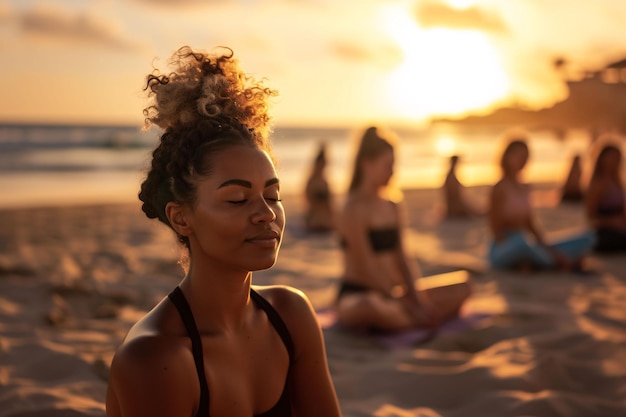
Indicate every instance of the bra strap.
{"type": "Point", "coordinates": [178, 299]}
{"type": "Point", "coordinates": [276, 321]}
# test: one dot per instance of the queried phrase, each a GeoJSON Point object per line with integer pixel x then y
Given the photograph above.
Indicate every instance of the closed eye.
{"type": "Point", "coordinates": [237, 202]}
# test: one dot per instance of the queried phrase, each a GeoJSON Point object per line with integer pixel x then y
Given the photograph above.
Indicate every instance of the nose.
{"type": "Point", "coordinates": [263, 212]}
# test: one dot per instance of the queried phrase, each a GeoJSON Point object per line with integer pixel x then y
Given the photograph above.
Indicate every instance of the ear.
{"type": "Point", "coordinates": [176, 216]}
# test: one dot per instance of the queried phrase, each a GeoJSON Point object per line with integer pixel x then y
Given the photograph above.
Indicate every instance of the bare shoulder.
{"type": "Point", "coordinates": [354, 212]}
{"type": "Point", "coordinates": [153, 370]}
{"type": "Point", "coordinates": [395, 205]}
{"type": "Point", "coordinates": [285, 299]}
{"type": "Point", "coordinates": [144, 349]}
{"type": "Point", "coordinates": [498, 186]}
{"type": "Point", "coordinates": [148, 355]}
{"type": "Point", "coordinates": [354, 205]}
{"type": "Point", "coordinates": [499, 189]}
{"type": "Point", "coordinates": [152, 336]}
{"type": "Point", "coordinates": [295, 309]}
{"type": "Point", "coordinates": [360, 209]}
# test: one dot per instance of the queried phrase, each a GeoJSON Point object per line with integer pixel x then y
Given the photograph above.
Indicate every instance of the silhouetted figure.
{"type": "Point", "coordinates": [572, 189]}
{"type": "Point", "coordinates": [511, 220]}
{"type": "Point", "coordinates": [377, 291]}
{"type": "Point", "coordinates": [319, 215]}
{"type": "Point", "coordinates": [453, 190]}
{"type": "Point", "coordinates": [605, 201]}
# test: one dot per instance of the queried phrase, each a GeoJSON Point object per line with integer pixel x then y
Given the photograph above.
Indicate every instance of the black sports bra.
{"type": "Point", "coordinates": [283, 407]}
{"type": "Point", "coordinates": [381, 240]}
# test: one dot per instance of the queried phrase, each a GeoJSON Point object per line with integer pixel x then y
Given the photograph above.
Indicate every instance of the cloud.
{"type": "Point", "coordinates": [432, 14]}
{"type": "Point", "coordinates": [54, 23]}
{"type": "Point", "coordinates": [385, 55]}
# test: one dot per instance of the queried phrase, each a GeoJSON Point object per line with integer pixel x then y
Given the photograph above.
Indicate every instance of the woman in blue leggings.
{"type": "Point", "coordinates": [517, 241]}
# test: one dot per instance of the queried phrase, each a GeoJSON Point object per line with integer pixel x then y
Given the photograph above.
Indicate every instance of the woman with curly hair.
{"type": "Point", "coordinates": [217, 345]}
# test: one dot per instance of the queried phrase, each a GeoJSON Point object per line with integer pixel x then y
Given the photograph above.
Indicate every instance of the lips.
{"type": "Point", "coordinates": [267, 238]}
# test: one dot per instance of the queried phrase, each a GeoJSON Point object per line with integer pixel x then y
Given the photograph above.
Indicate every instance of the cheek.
{"type": "Point", "coordinates": [517, 161]}
{"type": "Point", "coordinates": [386, 170]}
{"type": "Point", "coordinates": [217, 225]}
{"type": "Point", "coordinates": [280, 216]}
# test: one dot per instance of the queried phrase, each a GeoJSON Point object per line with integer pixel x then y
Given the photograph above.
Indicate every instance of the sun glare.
{"type": "Point", "coordinates": [461, 4]}
{"type": "Point", "coordinates": [445, 145]}
{"type": "Point", "coordinates": [444, 72]}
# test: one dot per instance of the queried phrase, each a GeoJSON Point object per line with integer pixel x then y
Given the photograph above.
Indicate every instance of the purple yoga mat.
{"type": "Point", "coordinates": [328, 320]}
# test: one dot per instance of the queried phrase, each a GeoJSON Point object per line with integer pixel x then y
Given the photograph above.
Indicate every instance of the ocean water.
{"type": "Point", "coordinates": [68, 164]}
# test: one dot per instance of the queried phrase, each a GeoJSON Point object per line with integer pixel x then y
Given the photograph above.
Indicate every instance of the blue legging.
{"type": "Point", "coordinates": [516, 249]}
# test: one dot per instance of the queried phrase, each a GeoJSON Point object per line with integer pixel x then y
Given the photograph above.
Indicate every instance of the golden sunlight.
{"type": "Point", "coordinates": [461, 4]}
{"type": "Point", "coordinates": [445, 146]}
{"type": "Point", "coordinates": [444, 71]}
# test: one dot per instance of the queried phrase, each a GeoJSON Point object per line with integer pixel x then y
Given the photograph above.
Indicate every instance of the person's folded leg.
{"type": "Point", "coordinates": [576, 247]}
{"type": "Point", "coordinates": [513, 251]}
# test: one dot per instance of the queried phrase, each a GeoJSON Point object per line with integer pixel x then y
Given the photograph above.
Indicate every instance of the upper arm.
{"type": "Point", "coordinates": [496, 201]}
{"type": "Point", "coordinates": [354, 225]}
{"type": "Point", "coordinates": [531, 222]}
{"type": "Point", "coordinates": [402, 221]}
{"type": "Point", "coordinates": [151, 378]}
{"type": "Point", "coordinates": [312, 390]}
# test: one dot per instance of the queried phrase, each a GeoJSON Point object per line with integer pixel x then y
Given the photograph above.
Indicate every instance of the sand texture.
{"type": "Point", "coordinates": [73, 279]}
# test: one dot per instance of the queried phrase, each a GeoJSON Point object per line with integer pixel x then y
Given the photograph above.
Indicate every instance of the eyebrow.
{"type": "Point", "coordinates": [246, 184]}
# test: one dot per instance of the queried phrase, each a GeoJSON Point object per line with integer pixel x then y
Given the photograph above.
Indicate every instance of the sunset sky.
{"type": "Point", "coordinates": [333, 61]}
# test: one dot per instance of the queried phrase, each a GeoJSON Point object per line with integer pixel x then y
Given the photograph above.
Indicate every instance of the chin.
{"type": "Point", "coordinates": [263, 264]}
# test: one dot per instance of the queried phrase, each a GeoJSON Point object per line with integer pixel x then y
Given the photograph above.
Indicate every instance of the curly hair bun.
{"type": "Point", "coordinates": [207, 85]}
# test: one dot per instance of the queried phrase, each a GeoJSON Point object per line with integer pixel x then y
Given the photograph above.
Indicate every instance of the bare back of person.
{"type": "Point", "coordinates": [456, 204]}
{"type": "Point", "coordinates": [319, 214]}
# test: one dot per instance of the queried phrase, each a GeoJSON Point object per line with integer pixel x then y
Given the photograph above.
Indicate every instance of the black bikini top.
{"type": "Point", "coordinates": [381, 240]}
{"type": "Point", "coordinates": [384, 239]}
{"type": "Point", "coordinates": [283, 407]}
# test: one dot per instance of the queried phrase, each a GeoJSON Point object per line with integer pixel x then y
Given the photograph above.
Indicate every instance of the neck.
{"type": "Point", "coordinates": [218, 298]}
{"type": "Point", "coordinates": [369, 188]}
{"type": "Point", "coordinates": [512, 175]}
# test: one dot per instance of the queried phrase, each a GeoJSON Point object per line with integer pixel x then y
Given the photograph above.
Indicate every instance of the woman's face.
{"type": "Point", "coordinates": [238, 219]}
{"type": "Point", "coordinates": [516, 159]}
{"type": "Point", "coordinates": [380, 168]}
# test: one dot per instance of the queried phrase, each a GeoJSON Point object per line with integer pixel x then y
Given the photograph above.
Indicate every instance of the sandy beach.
{"type": "Point", "coordinates": [73, 279]}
